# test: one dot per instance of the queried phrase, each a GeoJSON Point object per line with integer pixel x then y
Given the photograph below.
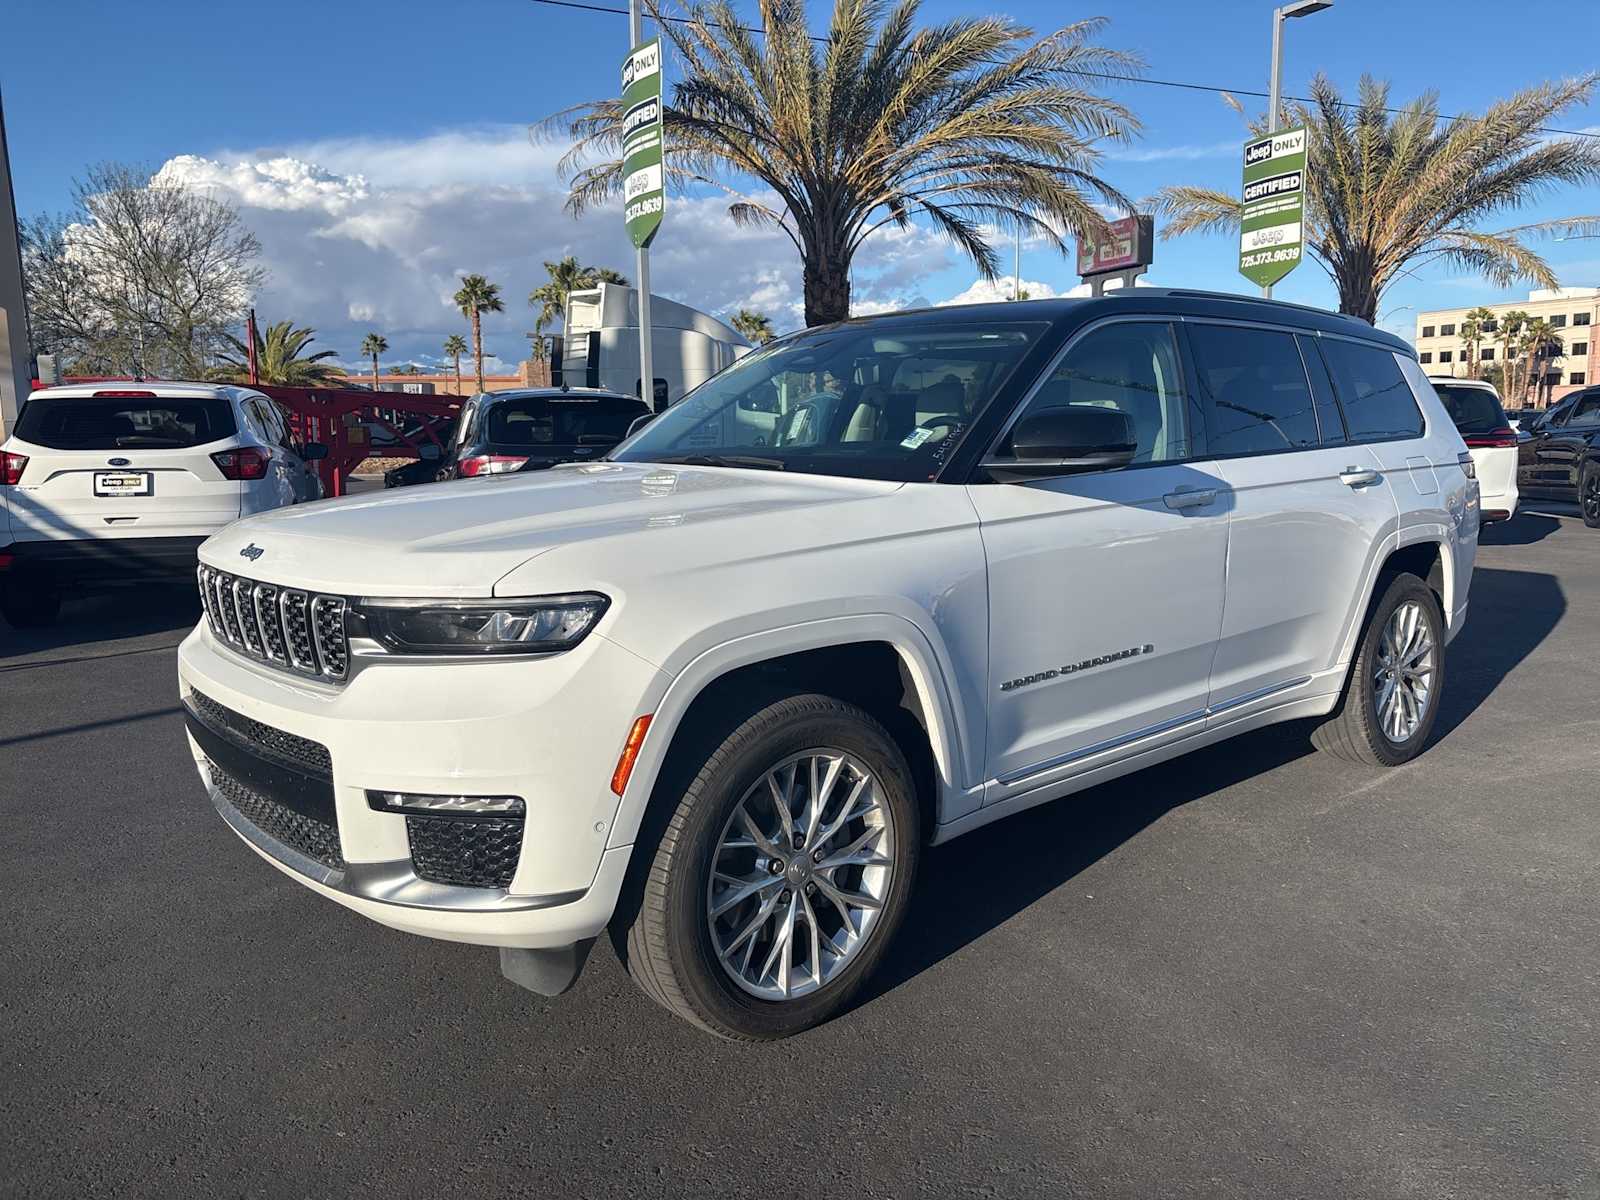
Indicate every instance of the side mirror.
{"type": "Point", "coordinates": [313, 451]}
{"type": "Point", "coordinates": [639, 423]}
{"type": "Point", "coordinates": [429, 452]}
{"type": "Point", "coordinates": [1066, 441]}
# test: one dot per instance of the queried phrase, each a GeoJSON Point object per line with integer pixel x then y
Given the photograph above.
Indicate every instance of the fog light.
{"type": "Point", "coordinates": [447, 806]}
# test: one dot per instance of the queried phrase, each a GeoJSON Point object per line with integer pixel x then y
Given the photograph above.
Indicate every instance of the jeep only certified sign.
{"type": "Point", "coordinates": [643, 187]}
{"type": "Point", "coordinates": [1274, 203]}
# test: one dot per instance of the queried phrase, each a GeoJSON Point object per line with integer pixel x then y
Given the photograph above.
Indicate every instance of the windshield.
{"type": "Point", "coordinates": [863, 400]}
{"type": "Point", "coordinates": [118, 423]}
{"type": "Point", "coordinates": [1474, 410]}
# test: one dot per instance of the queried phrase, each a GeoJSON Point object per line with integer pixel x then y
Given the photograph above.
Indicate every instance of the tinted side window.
{"type": "Point", "coordinates": [1132, 367]}
{"type": "Point", "coordinates": [1254, 389]}
{"type": "Point", "coordinates": [1586, 414]}
{"type": "Point", "coordinates": [1378, 406]}
{"type": "Point", "coordinates": [1330, 421]}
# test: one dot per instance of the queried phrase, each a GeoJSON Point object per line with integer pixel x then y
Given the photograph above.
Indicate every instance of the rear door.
{"type": "Point", "coordinates": [129, 463]}
{"type": "Point", "coordinates": [1309, 509]}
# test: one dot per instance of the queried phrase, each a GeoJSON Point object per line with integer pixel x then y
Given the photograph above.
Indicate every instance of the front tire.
{"type": "Point", "coordinates": [1391, 698]}
{"type": "Point", "coordinates": [781, 875]}
{"type": "Point", "coordinates": [1589, 495]}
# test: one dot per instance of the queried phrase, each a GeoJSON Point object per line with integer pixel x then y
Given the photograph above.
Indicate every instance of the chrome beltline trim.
{"type": "Point", "coordinates": [1062, 760]}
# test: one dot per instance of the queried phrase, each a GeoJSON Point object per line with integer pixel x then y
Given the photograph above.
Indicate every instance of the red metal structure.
{"type": "Point", "coordinates": [340, 418]}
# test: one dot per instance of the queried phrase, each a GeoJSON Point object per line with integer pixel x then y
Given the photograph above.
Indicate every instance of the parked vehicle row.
{"type": "Point", "coordinates": [873, 586]}
{"type": "Point", "coordinates": [119, 484]}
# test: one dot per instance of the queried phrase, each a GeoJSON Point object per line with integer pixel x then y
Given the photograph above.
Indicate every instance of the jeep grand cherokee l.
{"type": "Point", "coordinates": [873, 586]}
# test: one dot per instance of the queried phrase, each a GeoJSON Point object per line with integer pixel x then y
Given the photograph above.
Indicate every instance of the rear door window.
{"type": "Point", "coordinates": [1254, 390]}
{"type": "Point", "coordinates": [560, 421]}
{"type": "Point", "coordinates": [121, 423]}
{"type": "Point", "coordinates": [1378, 404]}
{"type": "Point", "coordinates": [1474, 410]}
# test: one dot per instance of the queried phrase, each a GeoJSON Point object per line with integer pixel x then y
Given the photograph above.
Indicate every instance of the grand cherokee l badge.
{"type": "Point", "coordinates": [1012, 685]}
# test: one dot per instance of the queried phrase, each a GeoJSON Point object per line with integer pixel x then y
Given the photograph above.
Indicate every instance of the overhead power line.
{"type": "Point", "coordinates": [1143, 79]}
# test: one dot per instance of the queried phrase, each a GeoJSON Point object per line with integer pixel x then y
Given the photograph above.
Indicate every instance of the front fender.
{"type": "Point", "coordinates": [927, 664]}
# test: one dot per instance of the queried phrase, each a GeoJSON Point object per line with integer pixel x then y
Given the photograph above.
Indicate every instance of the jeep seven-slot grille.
{"type": "Point", "coordinates": [282, 627]}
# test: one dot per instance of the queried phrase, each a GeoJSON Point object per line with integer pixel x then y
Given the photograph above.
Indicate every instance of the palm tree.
{"type": "Point", "coordinates": [566, 277]}
{"type": "Point", "coordinates": [1473, 327]}
{"type": "Point", "coordinates": [971, 126]}
{"type": "Point", "coordinates": [279, 361]}
{"type": "Point", "coordinates": [1510, 334]}
{"type": "Point", "coordinates": [475, 297]}
{"type": "Point", "coordinates": [454, 347]}
{"type": "Point", "coordinates": [371, 347]}
{"type": "Point", "coordinates": [1541, 345]}
{"type": "Point", "coordinates": [756, 327]}
{"type": "Point", "coordinates": [1387, 192]}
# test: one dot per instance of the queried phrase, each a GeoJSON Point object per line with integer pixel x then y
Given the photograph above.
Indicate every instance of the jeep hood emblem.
{"type": "Point", "coordinates": [252, 552]}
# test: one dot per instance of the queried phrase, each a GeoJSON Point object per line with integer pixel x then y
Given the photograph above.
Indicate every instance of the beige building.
{"type": "Point", "coordinates": [1574, 313]}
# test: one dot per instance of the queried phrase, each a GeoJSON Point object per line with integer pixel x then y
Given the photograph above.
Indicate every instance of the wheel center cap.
{"type": "Point", "coordinates": [799, 869]}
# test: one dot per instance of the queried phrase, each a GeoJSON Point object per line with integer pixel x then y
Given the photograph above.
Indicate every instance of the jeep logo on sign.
{"type": "Point", "coordinates": [252, 552]}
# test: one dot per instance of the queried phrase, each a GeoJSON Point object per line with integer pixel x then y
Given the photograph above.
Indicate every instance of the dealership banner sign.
{"type": "Point", "coordinates": [644, 194]}
{"type": "Point", "coordinates": [1270, 242]}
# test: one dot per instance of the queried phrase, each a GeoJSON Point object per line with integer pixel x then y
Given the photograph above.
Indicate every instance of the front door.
{"type": "Point", "coordinates": [1549, 462]}
{"type": "Point", "coordinates": [1105, 589]}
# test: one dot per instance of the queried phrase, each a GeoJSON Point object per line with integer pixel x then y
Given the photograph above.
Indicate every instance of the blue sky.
{"type": "Point", "coordinates": [395, 140]}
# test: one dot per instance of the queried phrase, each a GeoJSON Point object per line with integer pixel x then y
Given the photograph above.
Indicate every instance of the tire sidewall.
{"type": "Point", "coordinates": [1587, 477]}
{"type": "Point", "coordinates": [1401, 589]}
{"type": "Point", "coordinates": [689, 937]}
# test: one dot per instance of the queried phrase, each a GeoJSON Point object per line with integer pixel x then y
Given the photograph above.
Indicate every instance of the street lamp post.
{"type": "Point", "coordinates": [1300, 8]}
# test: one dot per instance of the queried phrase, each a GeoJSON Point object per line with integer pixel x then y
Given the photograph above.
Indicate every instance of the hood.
{"type": "Point", "coordinates": [460, 538]}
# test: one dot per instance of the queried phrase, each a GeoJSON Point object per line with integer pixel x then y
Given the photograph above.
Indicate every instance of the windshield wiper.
{"type": "Point", "coordinates": [724, 460]}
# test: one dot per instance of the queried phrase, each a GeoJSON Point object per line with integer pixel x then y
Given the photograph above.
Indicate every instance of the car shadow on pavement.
{"type": "Point", "coordinates": [1524, 529]}
{"type": "Point", "coordinates": [976, 883]}
{"type": "Point", "coordinates": [102, 618]}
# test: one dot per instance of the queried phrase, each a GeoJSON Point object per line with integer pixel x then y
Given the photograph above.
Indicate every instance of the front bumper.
{"type": "Point", "coordinates": [547, 729]}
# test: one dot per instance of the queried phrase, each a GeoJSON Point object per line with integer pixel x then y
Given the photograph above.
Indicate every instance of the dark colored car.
{"type": "Point", "coordinates": [422, 470]}
{"type": "Point", "coordinates": [536, 428]}
{"type": "Point", "coordinates": [1560, 460]}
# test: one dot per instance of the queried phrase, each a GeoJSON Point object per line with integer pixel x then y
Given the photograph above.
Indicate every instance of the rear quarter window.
{"type": "Point", "coordinates": [1377, 401]}
{"type": "Point", "coordinates": [117, 423]}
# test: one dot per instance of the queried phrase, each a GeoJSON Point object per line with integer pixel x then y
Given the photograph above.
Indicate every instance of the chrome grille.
{"type": "Point", "coordinates": [283, 627]}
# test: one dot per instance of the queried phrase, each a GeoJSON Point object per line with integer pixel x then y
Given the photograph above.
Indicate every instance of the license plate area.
{"type": "Point", "coordinates": [123, 483]}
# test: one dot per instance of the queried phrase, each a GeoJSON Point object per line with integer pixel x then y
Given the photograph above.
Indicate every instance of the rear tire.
{"type": "Point", "coordinates": [1391, 697]}
{"type": "Point", "coordinates": [29, 604]}
{"type": "Point", "coordinates": [1589, 495]}
{"type": "Point", "coordinates": [802, 964]}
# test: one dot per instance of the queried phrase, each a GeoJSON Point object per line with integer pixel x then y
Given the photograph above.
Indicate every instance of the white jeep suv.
{"type": "Point", "coordinates": [120, 482]}
{"type": "Point", "coordinates": [873, 586]}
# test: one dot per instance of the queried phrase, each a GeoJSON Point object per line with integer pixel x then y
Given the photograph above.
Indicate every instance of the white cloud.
{"type": "Point", "coordinates": [987, 291]}
{"type": "Point", "coordinates": [374, 234]}
{"type": "Point", "coordinates": [1142, 154]}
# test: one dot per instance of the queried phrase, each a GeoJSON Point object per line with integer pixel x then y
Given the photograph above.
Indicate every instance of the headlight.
{"type": "Point", "coordinates": [538, 625]}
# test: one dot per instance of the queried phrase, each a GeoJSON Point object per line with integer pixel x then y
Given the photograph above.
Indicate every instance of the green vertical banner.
{"type": "Point", "coordinates": [644, 195]}
{"type": "Point", "coordinates": [1270, 242]}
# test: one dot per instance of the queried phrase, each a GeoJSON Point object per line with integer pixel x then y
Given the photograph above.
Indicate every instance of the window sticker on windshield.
{"type": "Point", "coordinates": [916, 437]}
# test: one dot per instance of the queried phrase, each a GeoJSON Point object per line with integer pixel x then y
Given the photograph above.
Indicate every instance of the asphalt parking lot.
{"type": "Point", "coordinates": [1256, 970]}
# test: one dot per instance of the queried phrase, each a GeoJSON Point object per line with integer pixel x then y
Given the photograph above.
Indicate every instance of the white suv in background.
{"type": "Point", "coordinates": [120, 482]}
{"type": "Point", "coordinates": [871, 587]}
{"type": "Point", "coordinates": [1474, 406]}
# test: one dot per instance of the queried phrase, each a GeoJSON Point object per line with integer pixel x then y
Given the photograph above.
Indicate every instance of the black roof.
{"type": "Point", "coordinates": [1156, 301]}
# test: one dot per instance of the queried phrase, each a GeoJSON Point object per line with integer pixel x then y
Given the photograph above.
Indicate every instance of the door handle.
{"type": "Point", "coordinates": [1357, 477]}
{"type": "Point", "coordinates": [1190, 497]}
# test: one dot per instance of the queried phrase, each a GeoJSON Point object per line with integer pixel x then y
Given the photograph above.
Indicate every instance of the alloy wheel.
{"type": "Point", "coordinates": [800, 874]}
{"type": "Point", "coordinates": [1591, 496]}
{"type": "Point", "coordinates": [1403, 679]}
